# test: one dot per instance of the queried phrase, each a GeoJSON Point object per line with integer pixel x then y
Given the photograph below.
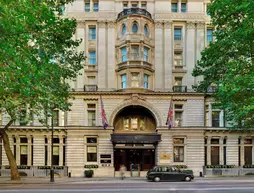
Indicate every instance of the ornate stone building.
{"type": "Point", "coordinates": [139, 55]}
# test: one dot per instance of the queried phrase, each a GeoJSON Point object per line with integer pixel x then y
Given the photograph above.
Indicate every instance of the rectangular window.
{"type": "Point", "coordinates": [143, 5]}
{"type": "Point", "coordinates": [248, 155]}
{"type": "Point", "coordinates": [123, 81]}
{"type": "Point", "coordinates": [174, 7]}
{"type": "Point", "coordinates": [91, 118]}
{"type": "Point", "coordinates": [135, 52]}
{"type": "Point", "coordinates": [183, 7]}
{"type": "Point", "coordinates": [55, 155]}
{"type": "Point", "coordinates": [178, 81]}
{"type": "Point", "coordinates": [56, 118]}
{"type": "Point", "coordinates": [92, 57]}
{"type": "Point", "coordinates": [87, 6]}
{"type": "Point", "coordinates": [92, 33]}
{"type": "Point", "coordinates": [91, 149]}
{"type": "Point", "coordinates": [134, 79]}
{"type": "Point", "coordinates": [178, 149]}
{"type": "Point", "coordinates": [124, 54]}
{"type": "Point", "coordinates": [178, 59]}
{"type": "Point", "coordinates": [178, 119]}
{"type": "Point", "coordinates": [126, 123]}
{"type": "Point", "coordinates": [177, 34]}
{"type": "Point", "coordinates": [125, 5]}
{"type": "Point", "coordinates": [134, 5]}
{"type": "Point", "coordinates": [146, 80]}
{"type": "Point", "coordinates": [23, 154]}
{"type": "Point", "coordinates": [209, 35]}
{"type": "Point", "coordinates": [215, 155]}
{"type": "Point", "coordinates": [134, 123]}
{"type": "Point", "coordinates": [146, 51]}
{"type": "Point", "coordinates": [215, 118]}
{"type": "Point", "coordinates": [61, 9]}
{"type": "Point", "coordinates": [215, 141]}
{"type": "Point", "coordinates": [95, 6]}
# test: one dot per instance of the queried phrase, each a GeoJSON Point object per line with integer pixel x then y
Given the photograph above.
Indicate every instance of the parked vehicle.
{"type": "Point", "coordinates": [169, 173]}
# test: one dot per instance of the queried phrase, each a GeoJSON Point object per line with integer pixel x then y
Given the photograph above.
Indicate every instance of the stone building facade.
{"type": "Point", "coordinates": [140, 55]}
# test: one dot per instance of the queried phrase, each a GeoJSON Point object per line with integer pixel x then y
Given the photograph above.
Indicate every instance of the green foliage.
{"type": "Point", "coordinates": [38, 56]}
{"type": "Point", "coordinates": [89, 173]}
{"type": "Point", "coordinates": [31, 34]}
{"type": "Point", "coordinates": [91, 166]}
{"type": "Point", "coordinates": [228, 62]}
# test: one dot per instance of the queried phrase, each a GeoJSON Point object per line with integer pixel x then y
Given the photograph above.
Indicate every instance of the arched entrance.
{"type": "Point", "coordinates": [135, 138]}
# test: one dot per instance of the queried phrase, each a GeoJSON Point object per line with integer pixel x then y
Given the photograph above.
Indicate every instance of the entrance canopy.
{"type": "Point", "coordinates": [135, 138]}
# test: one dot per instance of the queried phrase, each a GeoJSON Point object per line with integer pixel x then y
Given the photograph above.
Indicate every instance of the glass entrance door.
{"type": "Point", "coordinates": [144, 157]}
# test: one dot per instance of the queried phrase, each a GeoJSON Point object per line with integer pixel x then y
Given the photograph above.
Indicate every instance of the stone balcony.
{"type": "Point", "coordinates": [134, 12]}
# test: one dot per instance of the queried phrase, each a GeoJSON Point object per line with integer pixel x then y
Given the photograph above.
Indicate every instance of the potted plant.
{"type": "Point", "coordinates": [88, 173]}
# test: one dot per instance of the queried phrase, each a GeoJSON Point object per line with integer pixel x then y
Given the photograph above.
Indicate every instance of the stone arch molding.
{"type": "Point", "coordinates": [144, 104]}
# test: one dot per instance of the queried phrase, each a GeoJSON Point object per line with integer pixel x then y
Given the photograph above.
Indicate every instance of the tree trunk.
{"type": "Point", "coordinates": [9, 154]}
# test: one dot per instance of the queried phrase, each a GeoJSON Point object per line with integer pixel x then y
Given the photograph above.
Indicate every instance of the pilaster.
{"type": "Point", "coordinates": [101, 55]}
{"type": "Point", "coordinates": [190, 56]}
{"type": "Point", "coordinates": [200, 44]}
{"type": "Point", "coordinates": [159, 54]}
{"type": "Point", "coordinates": [168, 55]}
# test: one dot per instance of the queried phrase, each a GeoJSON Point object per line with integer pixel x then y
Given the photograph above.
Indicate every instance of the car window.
{"type": "Point", "coordinates": [164, 169]}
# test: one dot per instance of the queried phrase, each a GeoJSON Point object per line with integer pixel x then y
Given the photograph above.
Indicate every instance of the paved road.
{"type": "Point", "coordinates": [207, 186]}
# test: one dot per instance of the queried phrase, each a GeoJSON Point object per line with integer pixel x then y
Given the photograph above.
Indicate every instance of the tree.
{"type": "Point", "coordinates": [228, 62]}
{"type": "Point", "coordinates": [37, 56]}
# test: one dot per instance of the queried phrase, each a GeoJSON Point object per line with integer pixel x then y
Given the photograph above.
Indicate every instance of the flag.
{"type": "Point", "coordinates": [103, 116]}
{"type": "Point", "coordinates": [170, 115]}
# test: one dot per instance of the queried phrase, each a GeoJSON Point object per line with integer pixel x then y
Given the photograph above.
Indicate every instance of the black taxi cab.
{"type": "Point", "coordinates": [169, 173]}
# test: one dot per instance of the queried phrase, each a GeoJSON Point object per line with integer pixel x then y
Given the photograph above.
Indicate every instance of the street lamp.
{"type": "Point", "coordinates": [52, 137]}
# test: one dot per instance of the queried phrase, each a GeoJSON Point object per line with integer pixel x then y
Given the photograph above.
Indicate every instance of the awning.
{"type": "Point", "coordinates": [135, 138]}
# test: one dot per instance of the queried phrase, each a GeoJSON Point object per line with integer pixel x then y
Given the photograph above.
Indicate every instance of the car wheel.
{"type": "Point", "coordinates": [187, 179]}
{"type": "Point", "coordinates": [157, 179]}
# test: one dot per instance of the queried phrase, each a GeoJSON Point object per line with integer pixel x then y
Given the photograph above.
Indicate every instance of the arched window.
{"type": "Point", "coordinates": [135, 28]}
{"type": "Point", "coordinates": [123, 30]}
{"type": "Point", "coordinates": [146, 30]}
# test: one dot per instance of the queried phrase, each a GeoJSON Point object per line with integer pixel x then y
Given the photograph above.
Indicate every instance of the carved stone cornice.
{"type": "Point", "coordinates": [102, 24]}
{"type": "Point", "coordinates": [111, 24]}
{"type": "Point", "coordinates": [200, 25]}
{"type": "Point", "coordinates": [168, 24]}
{"type": "Point", "coordinates": [158, 24]}
{"type": "Point", "coordinates": [81, 23]}
{"type": "Point", "coordinates": [190, 25]}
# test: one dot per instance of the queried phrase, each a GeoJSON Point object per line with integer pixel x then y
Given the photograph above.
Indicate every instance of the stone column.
{"type": "Point", "coordinates": [209, 151]}
{"type": "Point", "coordinates": [60, 150]}
{"type": "Point", "coordinates": [168, 55]}
{"type": "Point", "coordinates": [179, 5]}
{"type": "Point", "coordinates": [111, 56]}
{"type": "Point", "coordinates": [101, 55]}
{"type": "Point", "coordinates": [29, 150]}
{"type": "Point", "coordinates": [200, 44]}
{"type": "Point", "coordinates": [80, 34]}
{"type": "Point", "coordinates": [190, 54]}
{"type": "Point", "coordinates": [159, 83]}
{"type": "Point", "coordinates": [221, 151]}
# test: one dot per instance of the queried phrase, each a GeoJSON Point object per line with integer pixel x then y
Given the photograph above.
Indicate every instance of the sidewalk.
{"type": "Point", "coordinates": [66, 180]}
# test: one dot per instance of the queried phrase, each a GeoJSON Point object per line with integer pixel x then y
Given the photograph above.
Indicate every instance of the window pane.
{"type": "Point", "coordinates": [183, 7]}
{"type": "Point", "coordinates": [178, 59]}
{"type": "Point", "coordinates": [135, 28]}
{"type": "Point", "coordinates": [123, 30]}
{"type": "Point", "coordinates": [87, 7]}
{"type": "Point", "coordinates": [124, 54]}
{"type": "Point", "coordinates": [177, 34]}
{"type": "Point", "coordinates": [134, 123]}
{"type": "Point", "coordinates": [145, 81]}
{"type": "Point", "coordinates": [91, 118]}
{"type": "Point", "coordinates": [91, 140]}
{"type": "Point", "coordinates": [145, 30]}
{"type": "Point", "coordinates": [248, 155]}
{"type": "Point", "coordinates": [92, 57]}
{"type": "Point", "coordinates": [123, 81]}
{"type": "Point", "coordinates": [215, 141]}
{"type": "Point", "coordinates": [178, 154]}
{"type": "Point", "coordinates": [215, 119]}
{"type": "Point", "coordinates": [91, 154]}
{"type": "Point", "coordinates": [174, 7]}
{"type": "Point", "coordinates": [126, 123]}
{"type": "Point", "coordinates": [178, 81]}
{"type": "Point", "coordinates": [92, 33]}
{"type": "Point", "coordinates": [209, 35]}
{"type": "Point", "coordinates": [247, 141]}
{"type": "Point", "coordinates": [146, 50]}
{"type": "Point", "coordinates": [135, 79]}
{"type": "Point", "coordinates": [95, 7]}
{"type": "Point", "coordinates": [178, 140]}
{"type": "Point", "coordinates": [215, 155]}
{"type": "Point", "coordinates": [135, 52]}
